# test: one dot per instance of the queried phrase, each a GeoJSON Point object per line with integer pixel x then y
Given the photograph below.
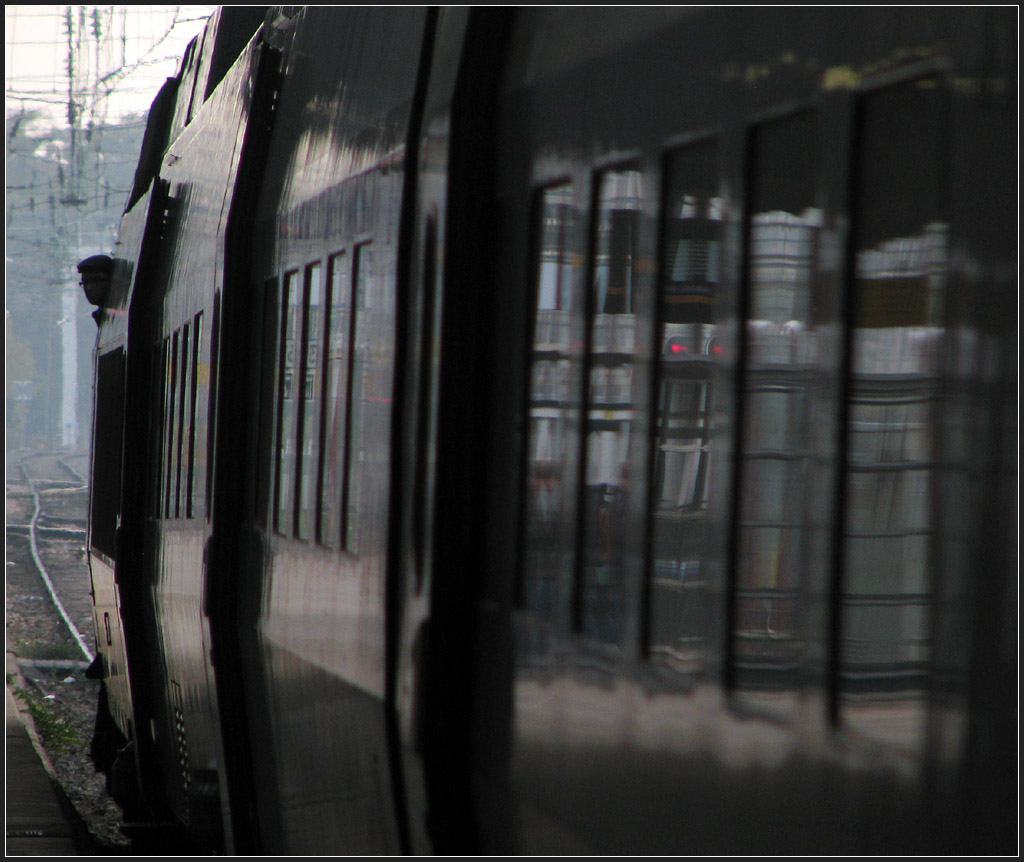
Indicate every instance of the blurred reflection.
{"type": "Point", "coordinates": [783, 240]}
{"type": "Point", "coordinates": [610, 406]}
{"type": "Point", "coordinates": [365, 493]}
{"type": "Point", "coordinates": [266, 440]}
{"type": "Point", "coordinates": [338, 308]}
{"type": "Point", "coordinates": [288, 411]}
{"type": "Point", "coordinates": [185, 426]}
{"type": "Point", "coordinates": [900, 247]}
{"type": "Point", "coordinates": [550, 494]}
{"type": "Point", "coordinates": [170, 415]}
{"type": "Point", "coordinates": [687, 375]}
{"type": "Point", "coordinates": [310, 407]}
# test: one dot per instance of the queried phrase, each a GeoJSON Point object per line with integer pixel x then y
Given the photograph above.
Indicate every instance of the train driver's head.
{"type": "Point", "coordinates": [95, 272]}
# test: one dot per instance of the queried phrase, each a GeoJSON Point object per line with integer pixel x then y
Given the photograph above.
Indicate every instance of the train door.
{"type": "Point", "coordinates": [317, 250]}
{"type": "Point", "coordinates": [441, 438]}
{"type": "Point", "coordinates": [134, 765]}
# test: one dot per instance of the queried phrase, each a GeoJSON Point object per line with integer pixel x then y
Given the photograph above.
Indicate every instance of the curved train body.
{"type": "Point", "coordinates": [566, 431]}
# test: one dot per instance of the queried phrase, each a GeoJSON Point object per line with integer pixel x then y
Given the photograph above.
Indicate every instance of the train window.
{"type": "Point", "coordinates": [207, 407]}
{"type": "Point", "coordinates": [338, 311]}
{"type": "Point", "coordinates": [610, 412]}
{"type": "Point", "coordinates": [170, 429]}
{"type": "Point", "coordinates": [899, 253]}
{"type": "Point", "coordinates": [289, 390]}
{"type": "Point", "coordinates": [782, 240]}
{"type": "Point", "coordinates": [309, 406]}
{"type": "Point", "coordinates": [369, 406]}
{"type": "Point", "coordinates": [196, 456]}
{"type": "Point", "coordinates": [268, 356]}
{"type": "Point", "coordinates": [157, 400]}
{"type": "Point", "coordinates": [108, 451]}
{"type": "Point", "coordinates": [689, 367]}
{"type": "Point", "coordinates": [551, 456]}
{"type": "Point", "coordinates": [184, 434]}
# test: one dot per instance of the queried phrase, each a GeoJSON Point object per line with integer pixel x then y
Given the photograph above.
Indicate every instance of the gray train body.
{"type": "Point", "coordinates": [566, 431]}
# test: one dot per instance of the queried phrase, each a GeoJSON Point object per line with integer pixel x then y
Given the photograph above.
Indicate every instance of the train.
{"type": "Point", "coordinates": [528, 430]}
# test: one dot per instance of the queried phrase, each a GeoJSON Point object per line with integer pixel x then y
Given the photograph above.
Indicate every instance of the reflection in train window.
{"type": "Point", "coordinates": [267, 384]}
{"type": "Point", "coordinates": [610, 410]}
{"type": "Point", "coordinates": [157, 400]}
{"type": "Point", "coordinates": [170, 420]}
{"type": "Point", "coordinates": [337, 308]}
{"type": "Point", "coordinates": [196, 463]}
{"type": "Point", "coordinates": [309, 405]}
{"type": "Point", "coordinates": [108, 450]}
{"type": "Point", "coordinates": [782, 239]}
{"type": "Point", "coordinates": [687, 373]}
{"type": "Point", "coordinates": [288, 405]}
{"type": "Point", "coordinates": [184, 434]}
{"type": "Point", "coordinates": [368, 434]}
{"type": "Point", "coordinates": [899, 248]}
{"type": "Point", "coordinates": [207, 408]}
{"type": "Point", "coordinates": [549, 498]}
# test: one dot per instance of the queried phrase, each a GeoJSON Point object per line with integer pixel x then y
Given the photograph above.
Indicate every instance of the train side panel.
{"type": "Point", "coordinates": [569, 431]}
{"type": "Point", "coordinates": [174, 500]}
{"type": "Point", "coordinates": [315, 512]}
{"type": "Point", "coordinates": [105, 503]}
{"type": "Point", "coordinates": [720, 556]}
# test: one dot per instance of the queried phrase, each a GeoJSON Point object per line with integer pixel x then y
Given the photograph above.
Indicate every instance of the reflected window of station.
{"type": "Point", "coordinates": [551, 456]}
{"type": "Point", "coordinates": [688, 366]}
{"type": "Point", "coordinates": [610, 414]}
{"type": "Point", "coordinates": [289, 389]}
{"type": "Point", "coordinates": [899, 254]}
{"type": "Point", "coordinates": [783, 224]}
{"type": "Point", "coordinates": [334, 422]}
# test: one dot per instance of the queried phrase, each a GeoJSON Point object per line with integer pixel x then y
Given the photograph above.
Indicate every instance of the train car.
{"type": "Point", "coordinates": [535, 431]}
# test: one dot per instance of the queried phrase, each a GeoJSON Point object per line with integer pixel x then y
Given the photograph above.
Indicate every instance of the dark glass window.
{"type": "Point", "coordinates": [184, 434]}
{"type": "Point", "coordinates": [783, 225]}
{"type": "Point", "coordinates": [170, 436]}
{"type": "Point", "coordinates": [157, 402]}
{"type": "Point", "coordinates": [610, 407]}
{"type": "Point", "coordinates": [899, 259]}
{"type": "Point", "coordinates": [108, 451]}
{"type": "Point", "coordinates": [552, 439]}
{"type": "Point", "coordinates": [369, 409]}
{"type": "Point", "coordinates": [289, 392]}
{"type": "Point", "coordinates": [688, 373]}
{"type": "Point", "coordinates": [200, 387]}
{"type": "Point", "coordinates": [207, 407]}
{"type": "Point", "coordinates": [267, 387]}
{"type": "Point", "coordinates": [338, 310]}
{"type": "Point", "coordinates": [309, 405]}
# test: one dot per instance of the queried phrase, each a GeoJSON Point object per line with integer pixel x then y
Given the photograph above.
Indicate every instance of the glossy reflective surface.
{"type": "Point", "coordinates": [315, 639]}
{"type": "Point", "coordinates": [690, 385]}
{"type": "Point", "coordinates": [772, 553]}
{"type": "Point", "coordinates": [576, 431]}
{"type": "Point", "coordinates": [607, 478]}
{"type": "Point", "coordinates": [900, 271]}
{"type": "Point", "coordinates": [758, 628]}
{"type": "Point", "coordinates": [554, 397]}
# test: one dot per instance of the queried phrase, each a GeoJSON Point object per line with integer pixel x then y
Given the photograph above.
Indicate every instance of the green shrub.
{"type": "Point", "coordinates": [54, 732]}
{"type": "Point", "coordinates": [39, 650]}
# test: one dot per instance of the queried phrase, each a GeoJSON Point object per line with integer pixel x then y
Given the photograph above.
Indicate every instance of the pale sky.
{"type": "Point", "coordinates": [104, 41]}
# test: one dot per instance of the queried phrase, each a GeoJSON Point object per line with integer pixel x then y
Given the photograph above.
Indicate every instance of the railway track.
{"type": "Point", "coordinates": [56, 541]}
{"type": "Point", "coordinates": [49, 626]}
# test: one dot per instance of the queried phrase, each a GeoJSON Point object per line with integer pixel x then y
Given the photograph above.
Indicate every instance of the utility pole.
{"type": "Point", "coordinates": [72, 197]}
{"type": "Point", "coordinates": [65, 184]}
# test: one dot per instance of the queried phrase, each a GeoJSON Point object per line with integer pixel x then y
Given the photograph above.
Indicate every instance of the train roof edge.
{"type": "Point", "coordinates": [204, 64]}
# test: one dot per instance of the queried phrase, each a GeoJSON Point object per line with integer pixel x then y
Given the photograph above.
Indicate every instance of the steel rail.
{"type": "Point", "coordinates": [37, 559]}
